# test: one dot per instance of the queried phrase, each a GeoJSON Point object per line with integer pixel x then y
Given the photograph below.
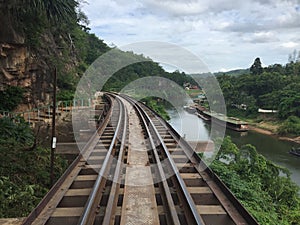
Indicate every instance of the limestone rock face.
{"type": "Point", "coordinates": [22, 66]}
{"type": "Point", "coordinates": [31, 67]}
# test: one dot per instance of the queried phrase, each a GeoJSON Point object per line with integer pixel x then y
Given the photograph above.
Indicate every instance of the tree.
{"type": "Point", "coordinates": [28, 19]}
{"type": "Point", "coordinates": [294, 57]}
{"type": "Point", "coordinates": [55, 10]}
{"type": "Point", "coordinates": [289, 106]}
{"type": "Point", "coordinates": [264, 188]}
{"type": "Point", "coordinates": [256, 68]}
{"type": "Point", "coordinates": [11, 97]}
{"type": "Point", "coordinates": [24, 176]}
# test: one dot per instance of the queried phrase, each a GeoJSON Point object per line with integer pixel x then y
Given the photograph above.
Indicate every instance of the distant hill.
{"type": "Point", "coordinates": [237, 72]}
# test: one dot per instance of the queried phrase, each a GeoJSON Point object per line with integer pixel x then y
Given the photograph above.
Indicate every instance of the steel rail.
{"type": "Point", "coordinates": [172, 209]}
{"type": "Point", "coordinates": [194, 212]}
{"type": "Point", "coordinates": [202, 167]}
{"type": "Point", "coordinates": [40, 207]}
{"type": "Point", "coordinates": [87, 217]}
{"type": "Point", "coordinates": [183, 188]}
{"type": "Point", "coordinates": [113, 197]}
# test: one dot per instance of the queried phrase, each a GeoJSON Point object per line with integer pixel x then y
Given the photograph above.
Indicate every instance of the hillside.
{"type": "Point", "coordinates": [275, 87]}
{"type": "Point", "coordinates": [37, 37]}
{"type": "Point", "coordinates": [237, 72]}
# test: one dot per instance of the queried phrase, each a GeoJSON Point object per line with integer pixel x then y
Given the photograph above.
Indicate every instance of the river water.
{"type": "Point", "coordinates": [193, 128]}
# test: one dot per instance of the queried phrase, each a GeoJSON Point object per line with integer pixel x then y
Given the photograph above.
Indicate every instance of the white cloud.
{"type": "Point", "coordinates": [290, 44]}
{"type": "Point", "coordinates": [226, 33]}
{"type": "Point", "coordinates": [262, 37]}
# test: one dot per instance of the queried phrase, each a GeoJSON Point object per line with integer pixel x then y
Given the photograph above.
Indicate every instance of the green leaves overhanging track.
{"type": "Point", "coordinates": [55, 10]}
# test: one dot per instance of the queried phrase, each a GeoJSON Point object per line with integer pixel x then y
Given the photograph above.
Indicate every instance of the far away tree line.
{"type": "Point", "coordinates": [275, 87]}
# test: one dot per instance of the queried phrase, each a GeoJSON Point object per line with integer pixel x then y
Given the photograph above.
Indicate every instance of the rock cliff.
{"type": "Point", "coordinates": [26, 67]}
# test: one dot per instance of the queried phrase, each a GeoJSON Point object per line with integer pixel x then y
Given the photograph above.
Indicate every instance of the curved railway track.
{"type": "Point", "coordinates": [137, 170]}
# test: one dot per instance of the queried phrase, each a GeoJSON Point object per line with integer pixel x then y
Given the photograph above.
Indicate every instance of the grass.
{"type": "Point", "coordinates": [194, 92]}
{"type": "Point", "coordinates": [268, 122]}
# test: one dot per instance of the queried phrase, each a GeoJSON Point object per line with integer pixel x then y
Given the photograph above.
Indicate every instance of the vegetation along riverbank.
{"type": "Point", "coordinates": [265, 97]}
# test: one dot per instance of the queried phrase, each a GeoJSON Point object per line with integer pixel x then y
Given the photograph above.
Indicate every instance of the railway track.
{"type": "Point", "coordinates": [137, 170]}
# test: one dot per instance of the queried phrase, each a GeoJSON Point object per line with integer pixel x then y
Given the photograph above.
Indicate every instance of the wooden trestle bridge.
{"type": "Point", "coordinates": [137, 170]}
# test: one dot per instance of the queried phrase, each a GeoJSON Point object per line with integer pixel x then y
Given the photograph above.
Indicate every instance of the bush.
{"type": "Point", "coordinates": [24, 170]}
{"type": "Point", "coordinates": [10, 98]}
{"type": "Point", "coordinates": [290, 126]}
{"type": "Point", "coordinates": [264, 188]}
{"type": "Point", "coordinates": [157, 106]}
{"type": "Point", "coordinates": [65, 95]}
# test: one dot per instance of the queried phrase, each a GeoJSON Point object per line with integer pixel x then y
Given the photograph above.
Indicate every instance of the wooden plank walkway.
{"type": "Point", "coordinates": [139, 205]}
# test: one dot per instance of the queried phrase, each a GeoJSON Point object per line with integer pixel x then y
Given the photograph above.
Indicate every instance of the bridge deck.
{"type": "Point", "coordinates": [137, 170]}
{"type": "Point", "coordinates": [139, 204]}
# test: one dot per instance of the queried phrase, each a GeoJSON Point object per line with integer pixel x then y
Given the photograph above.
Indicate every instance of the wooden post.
{"type": "Point", "coordinates": [53, 141]}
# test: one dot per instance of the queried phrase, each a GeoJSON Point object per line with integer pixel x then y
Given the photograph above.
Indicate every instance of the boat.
{"type": "Point", "coordinates": [190, 109]}
{"type": "Point", "coordinates": [295, 151]}
{"type": "Point", "coordinates": [202, 117]}
{"type": "Point", "coordinates": [220, 119]}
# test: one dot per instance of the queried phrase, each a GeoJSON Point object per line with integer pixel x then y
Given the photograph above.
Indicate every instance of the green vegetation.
{"type": "Point", "coordinates": [10, 98]}
{"type": "Point", "coordinates": [264, 188]}
{"type": "Point", "coordinates": [35, 17]}
{"type": "Point", "coordinates": [158, 106]}
{"type": "Point", "coordinates": [237, 72]}
{"type": "Point", "coordinates": [24, 169]}
{"type": "Point", "coordinates": [145, 68]}
{"type": "Point", "coordinates": [290, 126]}
{"type": "Point", "coordinates": [130, 81]}
{"type": "Point", "coordinates": [275, 87]}
{"type": "Point", "coordinates": [194, 92]}
{"type": "Point", "coordinates": [85, 47]}
{"type": "Point", "coordinates": [54, 31]}
{"type": "Point", "coordinates": [57, 32]}
{"type": "Point", "coordinates": [256, 68]}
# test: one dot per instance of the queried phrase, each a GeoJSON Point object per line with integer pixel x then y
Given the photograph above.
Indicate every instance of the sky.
{"type": "Point", "coordinates": [225, 35]}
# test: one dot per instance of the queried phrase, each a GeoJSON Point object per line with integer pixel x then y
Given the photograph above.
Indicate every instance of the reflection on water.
{"type": "Point", "coordinates": [273, 149]}
{"type": "Point", "coordinates": [188, 125]}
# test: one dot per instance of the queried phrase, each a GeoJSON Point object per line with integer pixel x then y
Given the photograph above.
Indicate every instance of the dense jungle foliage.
{"type": "Point", "coordinates": [10, 98]}
{"type": "Point", "coordinates": [264, 188]}
{"type": "Point", "coordinates": [24, 168]}
{"type": "Point", "coordinates": [275, 87]}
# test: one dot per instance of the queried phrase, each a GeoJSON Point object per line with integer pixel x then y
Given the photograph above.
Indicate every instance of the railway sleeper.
{"type": "Point", "coordinates": [180, 159]}
{"type": "Point", "coordinates": [106, 136]}
{"type": "Point", "coordinates": [186, 168]}
{"type": "Point", "coordinates": [68, 216]}
{"type": "Point", "coordinates": [190, 182]}
{"type": "Point", "coordinates": [99, 152]}
{"type": "Point", "coordinates": [84, 181]}
{"type": "Point", "coordinates": [102, 146]}
{"type": "Point", "coordinates": [90, 170]}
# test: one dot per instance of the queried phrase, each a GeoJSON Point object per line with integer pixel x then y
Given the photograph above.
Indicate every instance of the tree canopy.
{"type": "Point", "coordinates": [256, 67]}
{"type": "Point", "coordinates": [276, 88]}
{"type": "Point", "coordinates": [264, 188]}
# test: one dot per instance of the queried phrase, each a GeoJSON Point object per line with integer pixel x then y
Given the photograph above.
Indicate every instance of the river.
{"type": "Point", "coordinates": [193, 128]}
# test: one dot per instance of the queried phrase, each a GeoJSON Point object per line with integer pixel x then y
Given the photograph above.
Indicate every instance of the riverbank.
{"type": "Point", "coordinates": [265, 124]}
{"type": "Point", "coordinates": [270, 129]}
{"type": "Point", "coordinates": [269, 145]}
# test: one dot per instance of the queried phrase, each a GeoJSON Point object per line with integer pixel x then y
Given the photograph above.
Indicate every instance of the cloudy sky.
{"type": "Point", "coordinates": [226, 34]}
